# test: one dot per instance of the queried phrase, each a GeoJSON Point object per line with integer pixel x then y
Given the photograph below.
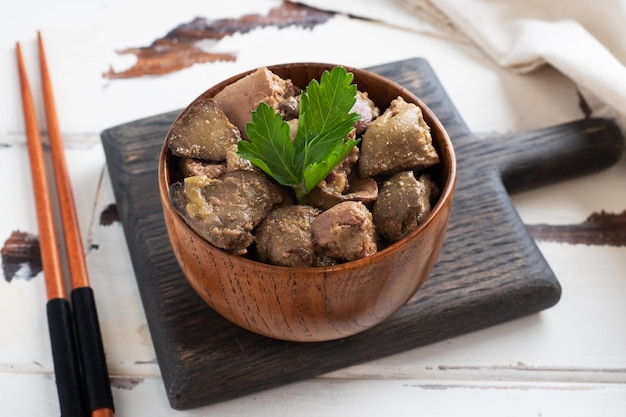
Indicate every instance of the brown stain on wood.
{"type": "Point", "coordinates": [602, 229]}
{"type": "Point", "coordinates": [21, 256]}
{"type": "Point", "coordinates": [125, 383]}
{"type": "Point", "coordinates": [109, 215]}
{"type": "Point", "coordinates": [180, 49]}
{"type": "Point", "coordinates": [164, 57]}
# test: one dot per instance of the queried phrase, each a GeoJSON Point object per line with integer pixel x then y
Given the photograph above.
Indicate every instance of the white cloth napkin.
{"type": "Point", "coordinates": [584, 39]}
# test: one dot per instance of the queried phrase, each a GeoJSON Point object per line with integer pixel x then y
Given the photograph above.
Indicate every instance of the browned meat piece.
{"type": "Point", "coordinates": [398, 140]}
{"type": "Point", "coordinates": [203, 132]}
{"type": "Point", "coordinates": [343, 184]}
{"type": "Point", "coordinates": [345, 232]}
{"type": "Point", "coordinates": [321, 260]}
{"type": "Point", "coordinates": [324, 197]}
{"type": "Point", "coordinates": [289, 107]}
{"type": "Point", "coordinates": [240, 98]}
{"type": "Point", "coordinates": [335, 183]}
{"type": "Point", "coordinates": [368, 111]}
{"type": "Point", "coordinates": [403, 203]}
{"type": "Point", "coordinates": [234, 162]}
{"type": "Point", "coordinates": [339, 178]}
{"type": "Point", "coordinates": [284, 237]}
{"type": "Point", "coordinates": [224, 211]}
{"type": "Point", "coordinates": [191, 167]}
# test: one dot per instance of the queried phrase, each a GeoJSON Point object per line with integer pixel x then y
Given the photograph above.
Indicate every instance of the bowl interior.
{"type": "Point", "coordinates": [382, 91]}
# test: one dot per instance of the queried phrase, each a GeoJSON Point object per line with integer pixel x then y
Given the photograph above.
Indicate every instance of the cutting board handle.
{"type": "Point", "coordinates": [556, 153]}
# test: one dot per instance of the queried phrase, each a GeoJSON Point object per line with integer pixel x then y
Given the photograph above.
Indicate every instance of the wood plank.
{"type": "Point", "coordinates": [489, 271]}
{"type": "Point", "coordinates": [339, 398]}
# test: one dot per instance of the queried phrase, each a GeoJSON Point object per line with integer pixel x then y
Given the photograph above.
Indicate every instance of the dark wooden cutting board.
{"type": "Point", "coordinates": [489, 271]}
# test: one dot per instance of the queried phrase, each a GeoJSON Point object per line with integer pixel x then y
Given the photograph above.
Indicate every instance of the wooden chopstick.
{"type": "Point", "coordinates": [93, 361]}
{"type": "Point", "coordinates": [47, 237]}
{"type": "Point", "coordinates": [95, 379]}
{"type": "Point", "coordinates": [64, 353]}
{"type": "Point", "coordinates": [76, 258]}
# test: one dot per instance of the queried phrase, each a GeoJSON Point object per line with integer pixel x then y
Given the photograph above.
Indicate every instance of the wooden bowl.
{"type": "Point", "coordinates": [317, 303]}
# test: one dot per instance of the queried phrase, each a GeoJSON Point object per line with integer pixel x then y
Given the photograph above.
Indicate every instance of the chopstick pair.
{"type": "Point", "coordinates": [80, 369]}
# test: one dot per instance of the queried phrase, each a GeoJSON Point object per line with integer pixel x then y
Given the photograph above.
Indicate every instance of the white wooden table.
{"type": "Point", "coordinates": [569, 360]}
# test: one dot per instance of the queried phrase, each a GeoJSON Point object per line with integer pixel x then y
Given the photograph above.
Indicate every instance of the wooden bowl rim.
{"type": "Point", "coordinates": [432, 120]}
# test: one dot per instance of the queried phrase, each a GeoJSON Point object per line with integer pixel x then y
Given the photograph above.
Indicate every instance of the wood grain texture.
{"type": "Point", "coordinates": [489, 271]}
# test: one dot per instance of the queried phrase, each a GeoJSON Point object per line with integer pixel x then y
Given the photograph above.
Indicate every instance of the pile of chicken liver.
{"type": "Point", "coordinates": [380, 192]}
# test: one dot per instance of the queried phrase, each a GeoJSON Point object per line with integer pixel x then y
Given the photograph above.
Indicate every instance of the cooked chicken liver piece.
{"type": "Point", "coordinates": [398, 140]}
{"type": "Point", "coordinates": [323, 197]}
{"type": "Point", "coordinates": [284, 237]}
{"type": "Point", "coordinates": [191, 167]}
{"type": "Point", "coordinates": [240, 98]}
{"type": "Point", "coordinates": [203, 132]}
{"type": "Point", "coordinates": [343, 184]}
{"type": "Point", "coordinates": [367, 109]}
{"type": "Point", "coordinates": [403, 203]}
{"type": "Point", "coordinates": [235, 162]}
{"type": "Point", "coordinates": [225, 211]}
{"type": "Point", "coordinates": [345, 232]}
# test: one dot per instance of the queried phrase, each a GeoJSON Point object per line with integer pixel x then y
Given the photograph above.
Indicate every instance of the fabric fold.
{"type": "Point", "coordinates": [584, 40]}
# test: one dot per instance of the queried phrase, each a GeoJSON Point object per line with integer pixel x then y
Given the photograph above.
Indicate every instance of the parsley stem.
{"type": "Point", "coordinates": [300, 193]}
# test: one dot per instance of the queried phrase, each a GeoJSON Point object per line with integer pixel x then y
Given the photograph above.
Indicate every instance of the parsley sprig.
{"type": "Point", "coordinates": [320, 143]}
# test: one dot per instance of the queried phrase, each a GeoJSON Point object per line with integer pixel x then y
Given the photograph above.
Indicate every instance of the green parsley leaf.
{"type": "Point", "coordinates": [270, 146]}
{"type": "Point", "coordinates": [321, 141]}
